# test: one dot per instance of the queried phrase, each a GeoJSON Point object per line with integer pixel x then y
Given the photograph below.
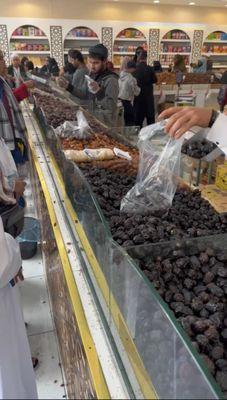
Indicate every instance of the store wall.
{"type": "Point", "coordinates": [101, 10]}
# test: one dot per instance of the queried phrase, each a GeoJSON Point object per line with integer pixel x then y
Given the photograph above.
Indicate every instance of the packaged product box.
{"type": "Point", "coordinates": [31, 31]}
{"type": "Point", "coordinates": [221, 177]}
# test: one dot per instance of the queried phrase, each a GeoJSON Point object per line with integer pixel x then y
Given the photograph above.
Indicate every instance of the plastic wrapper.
{"type": "Point", "coordinates": [157, 178]}
{"type": "Point", "coordinates": [79, 129]}
{"type": "Point", "coordinates": [88, 155]}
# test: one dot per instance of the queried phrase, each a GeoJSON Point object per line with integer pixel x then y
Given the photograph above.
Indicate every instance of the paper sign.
{"type": "Point", "coordinates": [218, 133]}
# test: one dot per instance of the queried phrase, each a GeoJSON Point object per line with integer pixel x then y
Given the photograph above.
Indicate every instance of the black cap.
{"type": "Point", "coordinates": [99, 51]}
{"type": "Point", "coordinates": [131, 64]}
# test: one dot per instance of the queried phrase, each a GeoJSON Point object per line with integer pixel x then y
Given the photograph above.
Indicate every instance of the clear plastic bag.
{"type": "Point", "coordinates": [159, 169]}
{"type": "Point", "coordinates": [79, 129]}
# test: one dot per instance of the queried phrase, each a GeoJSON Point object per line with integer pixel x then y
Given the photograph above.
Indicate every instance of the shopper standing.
{"type": "Point", "coordinates": [17, 380]}
{"type": "Point", "coordinates": [77, 79]}
{"type": "Point", "coordinates": [128, 90]}
{"type": "Point", "coordinates": [144, 103]}
{"type": "Point", "coordinates": [16, 71]}
{"type": "Point", "coordinates": [50, 68]}
{"type": "Point", "coordinates": [101, 88]}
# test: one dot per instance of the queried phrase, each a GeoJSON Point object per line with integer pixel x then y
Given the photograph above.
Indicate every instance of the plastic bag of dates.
{"type": "Point", "coordinates": [79, 129]}
{"type": "Point", "coordinates": [158, 173]}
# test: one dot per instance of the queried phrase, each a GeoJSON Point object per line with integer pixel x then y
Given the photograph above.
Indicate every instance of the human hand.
{"type": "Point", "coordinates": [62, 82]}
{"type": "Point", "coordinates": [19, 277]}
{"type": "Point", "coordinates": [181, 119]}
{"type": "Point", "coordinates": [19, 188]}
{"type": "Point", "coordinates": [93, 87]}
{"type": "Point", "coordinates": [30, 84]}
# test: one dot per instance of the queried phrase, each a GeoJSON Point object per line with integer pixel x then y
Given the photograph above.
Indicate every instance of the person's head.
{"type": "Point", "coordinates": [142, 56]}
{"type": "Point", "coordinates": [131, 66]}
{"type": "Point", "coordinates": [157, 66]}
{"type": "Point", "coordinates": [3, 69]}
{"type": "Point", "coordinates": [23, 61]}
{"type": "Point", "coordinates": [28, 66]}
{"type": "Point", "coordinates": [139, 50]}
{"type": "Point", "coordinates": [15, 60]}
{"type": "Point", "coordinates": [124, 63]}
{"type": "Point", "coordinates": [75, 57]}
{"type": "Point", "coordinates": [97, 58]}
{"type": "Point", "coordinates": [47, 61]}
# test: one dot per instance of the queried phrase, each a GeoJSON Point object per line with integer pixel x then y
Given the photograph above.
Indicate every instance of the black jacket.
{"type": "Point", "coordinates": [145, 77]}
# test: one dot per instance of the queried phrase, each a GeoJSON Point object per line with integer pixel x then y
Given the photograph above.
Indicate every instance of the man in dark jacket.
{"type": "Point", "coordinates": [144, 103]}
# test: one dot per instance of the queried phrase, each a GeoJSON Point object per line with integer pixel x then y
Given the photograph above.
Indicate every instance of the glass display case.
{"type": "Point", "coordinates": [147, 336]}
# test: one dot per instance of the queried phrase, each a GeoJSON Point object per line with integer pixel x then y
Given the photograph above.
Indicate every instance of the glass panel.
{"type": "Point", "coordinates": [165, 351]}
{"type": "Point", "coordinates": [88, 213]}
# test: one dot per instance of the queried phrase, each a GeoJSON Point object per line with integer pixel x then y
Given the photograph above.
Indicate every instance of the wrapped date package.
{"type": "Point", "coordinates": [88, 155]}
{"type": "Point", "coordinates": [159, 168]}
{"type": "Point", "coordinates": [79, 129]}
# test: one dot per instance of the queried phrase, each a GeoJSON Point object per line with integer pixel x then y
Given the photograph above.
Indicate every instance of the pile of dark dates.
{"type": "Point", "coordinates": [195, 288]}
{"type": "Point", "coordinates": [198, 149]}
{"type": "Point", "coordinates": [56, 111]}
{"type": "Point", "coordinates": [190, 215]}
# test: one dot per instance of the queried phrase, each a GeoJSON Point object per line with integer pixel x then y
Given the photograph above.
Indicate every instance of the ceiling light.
{"type": "Point", "coordinates": [191, 3]}
{"type": "Point", "coordinates": [156, 1]}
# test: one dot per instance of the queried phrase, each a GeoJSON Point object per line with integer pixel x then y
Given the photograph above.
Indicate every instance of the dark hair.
{"type": "Point", "coordinates": [23, 60]}
{"type": "Point", "coordinates": [157, 66]}
{"type": "Point", "coordinates": [29, 64]}
{"type": "Point", "coordinates": [142, 55]}
{"type": "Point", "coordinates": [69, 68]}
{"type": "Point", "coordinates": [131, 64]}
{"type": "Point", "coordinates": [99, 52]}
{"type": "Point", "coordinates": [76, 55]}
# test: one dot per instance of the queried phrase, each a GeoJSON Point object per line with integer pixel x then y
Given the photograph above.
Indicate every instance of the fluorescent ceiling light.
{"type": "Point", "coordinates": [156, 1]}
{"type": "Point", "coordinates": [191, 3]}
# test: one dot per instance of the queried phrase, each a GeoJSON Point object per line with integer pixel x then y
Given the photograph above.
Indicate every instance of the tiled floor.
{"type": "Point", "coordinates": [41, 331]}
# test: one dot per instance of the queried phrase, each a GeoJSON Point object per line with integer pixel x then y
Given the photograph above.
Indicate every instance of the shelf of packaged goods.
{"type": "Point", "coordinates": [130, 39]}
{"type": "Point", "coordinates": [81, 38]}
{"type": "Point", "coordinates": [124, 53]}
{"type": "Point", "coordinates": [173, 53]}
{"type": "Point", "coordinates": [215, 54]}
{"type": "Point", "coordinates": [215, 41]}
{"type": "Point", "coordinates": [30, 37]}
{"type": "Point", "coordinates": [167, 66]}
{"type": "Point", "coordinates": [31, 52]}
{"type": "Point", "coordinates": [176, 40]}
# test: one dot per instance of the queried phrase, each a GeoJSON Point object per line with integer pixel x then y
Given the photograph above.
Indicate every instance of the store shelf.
{"type": "Point", "coordinates": [215, 54]}
{"type": "Point", "coordinates": [167, 66]}
{"type": "Point", "coordinates": [176, 40]}
{"type": "Point", "coordinates": [215, 41]}
{"type": "Point", "coordinates": [81, 38]}
{"type": "Point", "coordinates": [174, 53]}
{"type": "Point", "coordinates": [130, 39]}
{"type": "Point", "coordinates": [30, 37]}
{"type": "Point", "coordinates": [124, 53]}
{"type": "Point", "coordinates": [31, 52]}
{"type": "Point", "coordinates": [83, 52]}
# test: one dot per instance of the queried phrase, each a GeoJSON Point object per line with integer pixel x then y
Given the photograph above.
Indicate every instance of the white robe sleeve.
{"type": "Point", "coordinates": [218, 133]}
{"type": "Point", "coordinates": [10, 258]}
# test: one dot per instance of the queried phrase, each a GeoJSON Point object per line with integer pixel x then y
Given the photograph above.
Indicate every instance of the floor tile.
{"type": "Point", "coordinates": [36, 306]}
{"type": "Point", "coordinates": [34, 267]}
{"type": "Point", "coordinates": [48, 373]}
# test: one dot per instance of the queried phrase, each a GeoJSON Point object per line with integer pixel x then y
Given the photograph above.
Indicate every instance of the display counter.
{"type": "Point", "coordinates": [152, 354]}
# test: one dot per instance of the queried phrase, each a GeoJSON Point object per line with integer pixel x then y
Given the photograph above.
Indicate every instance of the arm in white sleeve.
{"type": "Point", "coordinates": [10, 258]}
{"type": "Point", "coordinates": [218, 132]}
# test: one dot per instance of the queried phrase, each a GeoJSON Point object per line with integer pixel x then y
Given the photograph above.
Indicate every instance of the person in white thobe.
{"type": "Point", "coordinates": [17, 378]}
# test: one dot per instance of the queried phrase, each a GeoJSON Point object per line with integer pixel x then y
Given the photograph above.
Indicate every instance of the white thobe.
{"type": "Point", "coordinates": [17, 379]}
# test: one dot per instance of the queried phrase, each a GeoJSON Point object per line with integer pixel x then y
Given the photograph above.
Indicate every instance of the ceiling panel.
{"type": "Point", "coordinates": [198, 3]}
